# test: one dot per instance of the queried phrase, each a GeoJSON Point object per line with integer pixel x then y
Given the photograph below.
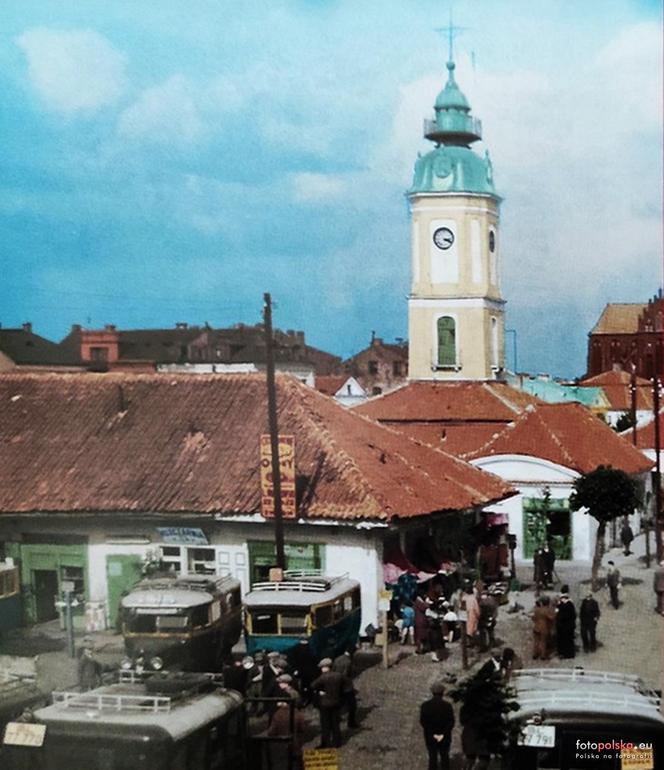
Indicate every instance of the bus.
{"type": "Point", "coordinates": [573, 719]}
{"type": "Point", "coordinates": [173, 721]}
{"type": "Point", "coordinates": [182, 622]}
{"type": "Point", "coordinates": [325, 611]}
{"type": "Point", "coordinates": [10, 596]}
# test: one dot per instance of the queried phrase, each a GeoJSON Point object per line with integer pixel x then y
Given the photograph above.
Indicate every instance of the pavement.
{"type": "Point", "coordinates": [630, 641]}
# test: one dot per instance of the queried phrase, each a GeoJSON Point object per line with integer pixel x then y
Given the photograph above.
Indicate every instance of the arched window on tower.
{"type": "Point", "coordinates": [494, 343]}
{"type": "Point", "coordinates": [446, 341]}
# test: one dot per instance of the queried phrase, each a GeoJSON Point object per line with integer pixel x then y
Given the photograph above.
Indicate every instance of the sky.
{"type": "Point", "coordinates": [163, 161]}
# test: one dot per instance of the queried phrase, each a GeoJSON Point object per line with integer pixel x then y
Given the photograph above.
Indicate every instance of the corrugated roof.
{"type": "Point", "coordinates": [619, 318]}
{"type": "Point", "coordinates": [448, 401]}
{"type": "Point", "coordinates": [566, 434]}
{"type": "Point", "coordinates": [616, 386]}
{"type": "Point", "coordinates": [179, 443]}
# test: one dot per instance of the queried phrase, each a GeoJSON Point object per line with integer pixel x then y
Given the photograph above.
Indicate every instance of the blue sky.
{"type": "Point", "coordinates": [170, 161]}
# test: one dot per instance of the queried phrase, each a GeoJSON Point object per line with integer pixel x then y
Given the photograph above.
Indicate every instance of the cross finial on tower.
{"type": "Point", "coordinates": [451, 31]}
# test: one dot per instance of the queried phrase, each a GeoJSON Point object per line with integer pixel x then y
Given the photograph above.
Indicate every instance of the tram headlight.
{"type": "Point", "coordinates": [157, 663]}
{"type": "Point", "coordinates": [126, 664]}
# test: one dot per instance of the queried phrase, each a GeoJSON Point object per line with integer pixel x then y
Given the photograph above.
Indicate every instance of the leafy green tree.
{"type": "Point", "coordinates": [605, 494]}
{"type": "Point", "coordinates": [624, 422]}
{"type": "Point", "coordinates": [486, 700]}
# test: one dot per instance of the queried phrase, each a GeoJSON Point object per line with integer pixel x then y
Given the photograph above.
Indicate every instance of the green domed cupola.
{"type": "Point", "coordinates": [452, 166]}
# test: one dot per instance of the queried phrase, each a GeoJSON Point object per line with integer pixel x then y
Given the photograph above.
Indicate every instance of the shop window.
{"type": "Point", "coordinates": [547, 521]}
{"type": "Point", "coordinates": [171, 556]}
{"type": "Point", "coordinates": [202, 561]}
{"type": "Point", "coordinates": [446, 330]}
{"type": "Point", "coordinates": [8, 582]}
{"type": "Point", "coordinates": [73, 575]}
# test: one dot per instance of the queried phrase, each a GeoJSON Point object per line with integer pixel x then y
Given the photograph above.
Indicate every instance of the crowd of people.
{"type": "Point", "coordinates": [282, 684]}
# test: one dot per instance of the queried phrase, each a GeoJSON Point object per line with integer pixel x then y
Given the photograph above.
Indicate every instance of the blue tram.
{"type": "Point", "coordinates": [326, 611]}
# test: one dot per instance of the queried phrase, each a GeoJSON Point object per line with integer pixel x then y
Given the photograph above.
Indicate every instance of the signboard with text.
{"type": "Point", "coordinates": [286, 475]}
{"type": "Point", "coordinates": [24, 734]}
{"type": "Point", "coordinates": [183, 535]}
{"type": "Point", "coordinates": [320, 759]}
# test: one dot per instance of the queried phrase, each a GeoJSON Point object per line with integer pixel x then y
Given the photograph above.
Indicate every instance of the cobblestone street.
{"type": "Point", "coordinates": [389, 736]}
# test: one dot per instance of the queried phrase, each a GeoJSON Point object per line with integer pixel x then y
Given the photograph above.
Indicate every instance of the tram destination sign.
{"type": "Point", "coordinates": [286, 474]}
{"type": "Point", "coordinates": [24, 734]}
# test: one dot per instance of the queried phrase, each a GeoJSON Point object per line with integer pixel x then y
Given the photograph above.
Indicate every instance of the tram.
{"type": "Point", "coordinates": [173, 721]}
{"type": "Point", "coordinates": [182, 622]}
{"type": "Point", "coordinates": [572, 719]}
{"type": "Point", "coordinates": [325, 611]}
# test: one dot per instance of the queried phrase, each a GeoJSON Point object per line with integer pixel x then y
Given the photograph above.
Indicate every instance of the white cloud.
{"type": "Point", "coordinates": [317, 188]}
{"type": "Point", "coordinates": [167, 112]}
{"type": "Point", "coordinates": [73, 71]}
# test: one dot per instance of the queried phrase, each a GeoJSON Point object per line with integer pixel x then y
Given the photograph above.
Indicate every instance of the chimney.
{"type": "Point", "coordinates": [373, 336]}
{"type": "Point", "coordinates": [27, 327]}
{"type": "Point", "coordinates": [76, 327]}
{"type": "Point", "coordinates": [110, 327]}
{"type": "Point", "coordinates": [181, 325]}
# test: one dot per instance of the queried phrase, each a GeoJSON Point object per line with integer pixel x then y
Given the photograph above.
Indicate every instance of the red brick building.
{"type": "Point", "coordinates": [626, 335]}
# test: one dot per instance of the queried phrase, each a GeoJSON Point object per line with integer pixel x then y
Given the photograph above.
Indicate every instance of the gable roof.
{"type": "Point", "coordinates": [448, 401]}
{"type": "Point", "coordinates": [568, 435]}
{"type": "Point", "coordinates": [184, 443]}
{"type": "Point", "coordinates": [616, 386]}
{"type": "Point", "coordinates": [25, 348]}
{"type": "Point", "coordinates": [619, 318]}
{"type": "Point", "coordinates": [330, 384]}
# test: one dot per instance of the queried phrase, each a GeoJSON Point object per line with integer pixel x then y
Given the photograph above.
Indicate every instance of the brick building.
{"type": "Point", "coordinates": [381, 367]}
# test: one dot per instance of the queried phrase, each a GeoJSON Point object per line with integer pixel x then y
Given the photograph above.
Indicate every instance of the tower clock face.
{"type": "Point", "coordinates": [492, 241]}
{"type": "Point", "coordinates": [443, 238]}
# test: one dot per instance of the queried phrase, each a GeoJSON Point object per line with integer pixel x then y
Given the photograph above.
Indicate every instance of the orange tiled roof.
{"type": "Point", "coordinates": [330, 384]}
{"type": "Point", "coordinates": [645, 435]}
{"type": "Point", "coordinates": [448, 401]}
{"type": "Point", "coordinates": [568, 435]}
{"type": "Point", "coordinates": [189, 444]}
{"type": "Point", "coordinates": [619, 318]}
{"type": "Point", "coordinates": [616, 387]}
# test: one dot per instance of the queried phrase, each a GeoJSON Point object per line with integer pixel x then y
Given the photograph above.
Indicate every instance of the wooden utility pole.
{"type": "Point", "coordinates": [274, 432]}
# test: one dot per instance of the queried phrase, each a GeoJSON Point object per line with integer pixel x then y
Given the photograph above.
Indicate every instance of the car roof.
{"type": "Point", "coordinates": [302, 591]}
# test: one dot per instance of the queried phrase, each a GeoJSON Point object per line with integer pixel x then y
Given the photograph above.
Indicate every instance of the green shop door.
{"type": "Point", "coordinates": [122, 574]}
{"type": "Point", "coordinates": [547, 521]}
{"type": "Point", "coordinates": [263, 555]}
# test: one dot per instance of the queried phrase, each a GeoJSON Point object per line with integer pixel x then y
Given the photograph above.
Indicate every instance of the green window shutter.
{"type": "Point", "coordinates": [446, 341]}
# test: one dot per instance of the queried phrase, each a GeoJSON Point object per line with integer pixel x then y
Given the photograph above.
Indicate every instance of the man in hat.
{"type": "Point", "coordinates": [89, 669]}
{"type": "Point", "coordinates": [329, 687]}
{"type": "Point", "coordinates": [565, 625]}
{"type": "Point", "coordinates": [343, 664]}
{"type": "Point", "coordinates": [236, 675]}
{"type": "Point", "coordinates": [588, 616]}
{"type": "Point", "coordinates": [437, 720]}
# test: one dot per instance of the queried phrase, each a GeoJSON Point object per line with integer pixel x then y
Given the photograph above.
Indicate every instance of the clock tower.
{"type": "Point", "coordinates": [456, 321]}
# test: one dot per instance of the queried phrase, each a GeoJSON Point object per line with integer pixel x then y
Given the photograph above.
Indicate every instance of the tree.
{"type": "Point", "coordinates": [624, 422]}
{"type": "Point", "coordinates": [605, 494]}
{"type": "Point", "coordinates": [486, 700]}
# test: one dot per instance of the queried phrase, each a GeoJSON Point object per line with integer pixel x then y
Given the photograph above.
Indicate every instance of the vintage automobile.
{"type": "Point", "coordinates": [326, 611]}
{"type": "Point", "coordinates": [169, 721]}
{"type": "Point", "coordinates": [182, 622]}
{"type": "Point", "coordinates": [572, 719]}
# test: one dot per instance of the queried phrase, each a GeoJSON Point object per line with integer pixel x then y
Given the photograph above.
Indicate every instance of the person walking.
{"type": "Point", "coordinates": [343, 664]}
{"type": "Point", "coordinates": [548, 560]}
{"type": "Point", "coordinates": [437, 721]}
{"type": "Point", "coordinates": [421, 624]}
{"type": "Point", "coordinates": [472, 607]}
{"type": "Point", "coordinates": [588, 616]}
{"type": "Point", "coordinates": [89, 669]}
{"type": "Point", "coordinates": [565, 625]}
{"type": "Point", "coordinates": [658, 587]}
{"type": "Point", "coordinates": [407, 623]}
{"type": "Point", "coordinates": [329, 688]}
{"type": "Point", "coordinates": [487, 621]}
{"type": "Point", "coordinates": [614, 584]}
{"type": "Point", "coordinates": [626, 537]}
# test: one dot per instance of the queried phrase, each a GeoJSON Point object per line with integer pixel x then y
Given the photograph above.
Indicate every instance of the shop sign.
{"type": "Point", "coordinates": [183, 535]}
{"type": "Point", "coordinates": [321, 759]}
{"type": "Point", "coordinates": [286, 475]}
{"type": "Point", "coordinates": [24, 734]}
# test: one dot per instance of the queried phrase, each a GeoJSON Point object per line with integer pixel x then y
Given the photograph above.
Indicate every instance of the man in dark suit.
{"type": "Point", "coordinates": [437, 720]}
{"type": "Point", "coordinates": [329, 688]}
{"type": "Point", "coordinates": [589, 615]}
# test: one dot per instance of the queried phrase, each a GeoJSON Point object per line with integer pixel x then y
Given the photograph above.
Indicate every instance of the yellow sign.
{"type": "Point", "coordinates": [637, 759]}
{"type": "Point", "coordinates": [24, 734]}
{"type": "Point", "coordinates": [384, 600]}
{"type": "Point", "coordinates": [321, 759]}
{"type": "Point", "coordinates": [287, 476]}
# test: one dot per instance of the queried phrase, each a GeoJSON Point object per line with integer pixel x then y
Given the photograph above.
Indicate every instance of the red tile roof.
{"type": "Point", "coordinates": [330, 384]}
{"type": "Point", "coordinates": [645, 435]}
{"type": "Point", "coordinates": [566, 434]}
{"type": "Point", "coordinates": [619, 318]}
{"type": "Point", "coordinates": [183, 443]}
{"type": "Point", "coordinates": [616, 387]}
{"type": "Point", "coordinates": [448, 401]}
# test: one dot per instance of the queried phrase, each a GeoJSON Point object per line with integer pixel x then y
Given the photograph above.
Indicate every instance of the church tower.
{"type": "Point", "coordinates": [456, 323]}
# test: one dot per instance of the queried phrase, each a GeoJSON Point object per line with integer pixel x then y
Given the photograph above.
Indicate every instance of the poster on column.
{"type": "Point", "coordinates": [286, 475]}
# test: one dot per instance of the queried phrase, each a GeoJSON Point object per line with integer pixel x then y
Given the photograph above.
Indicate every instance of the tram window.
{"type": "Point", "coordinates": [200, 616]}
{"type": "Point", "coordinates": [348, 603]}
{"type": "Point", "coordinates": [141, 624]}
{"type": "Point", "coordinates": [293, 622]}
{"type": "Point", "coordinates": [324, 615]}
{"type": "Point", "coordinates": [338, 610]}
{"type": "Point", "coordinates": [264, 623]}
